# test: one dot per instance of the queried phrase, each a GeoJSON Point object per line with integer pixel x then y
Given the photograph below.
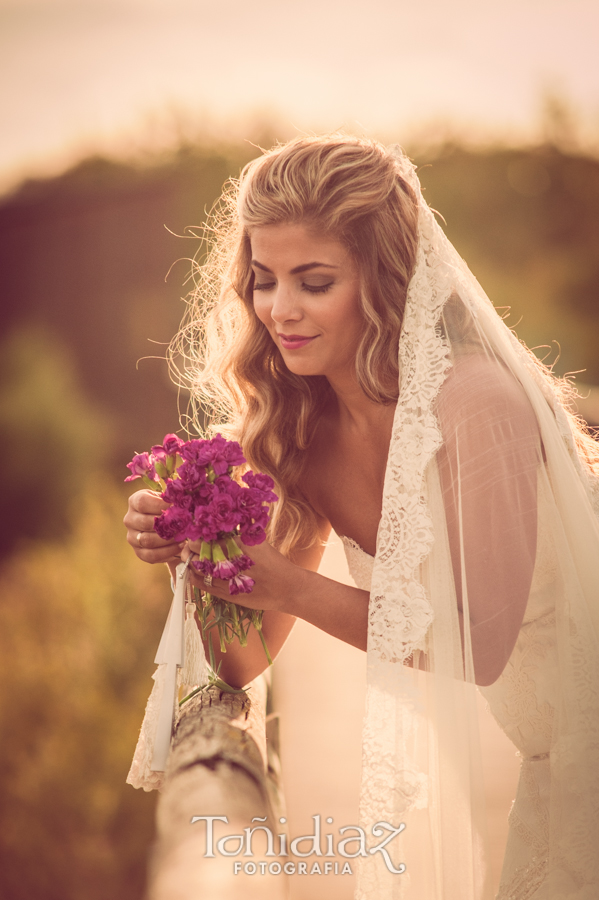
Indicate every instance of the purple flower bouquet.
{"type": "Point", "coordinates": [209, 505]}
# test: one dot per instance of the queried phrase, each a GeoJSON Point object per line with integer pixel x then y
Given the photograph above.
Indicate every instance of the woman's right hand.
{"type": "Point", "coordinates": [139, 522]}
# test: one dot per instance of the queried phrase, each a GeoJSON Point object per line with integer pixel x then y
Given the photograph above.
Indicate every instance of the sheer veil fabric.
{"type": "Point", "coordinates": [487, 549]}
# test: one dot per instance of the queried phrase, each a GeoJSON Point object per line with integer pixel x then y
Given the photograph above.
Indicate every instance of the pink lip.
{"type": "Point", "coordinates": [295, 341]}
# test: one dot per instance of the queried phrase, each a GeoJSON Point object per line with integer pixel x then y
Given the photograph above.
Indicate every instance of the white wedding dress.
{"type": "Point", "coordinates": [521, 701]}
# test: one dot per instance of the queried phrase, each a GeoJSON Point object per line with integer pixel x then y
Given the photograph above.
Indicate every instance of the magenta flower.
{"type": "Point", "coordinates": [202, 529]}
{"type": "Point", "coordinates": [261, 486]}
{"type": "Point", "coordinates": [177, 494]}
{"type": "Point", "coordinates": [158, 454]}
{"type": "Point", "coordinates": [257, 516]}
{"type": "Point", "coordinates": [226, 485]}
{"type": "Point", "coordinates": [226, 452]}
{"type": "Point", "coordinates": [192, 475]}
{"type": "Point", "coordinates": [204, 566]}
{"type": "Point", "coordinates": [223, 512]}
{"type": "Point", "coordinates": [141, 465]}
{"type": "Point", "coordinates": [244, 562]}
{"type": "Point", "coordinates": [205, 494]}
{"type": "Point", "coordinates": [208, 504]}
{"type": "Point", "coordinates": [217, 452]}
{"type": "Point", "coordinates": [248, 504]}
{"type": "Point", "coordinates": [241, 584]}
{"type": "Point", "coordinates": [197, 451]}
{"type": "Point", "coordinates": [172, 444]}
{"type": "Point", "coordinates": [226, 569]}
{"type": "Point", "coordinates": [252, 535]}
{"type": "Point", "coordinates": [173, 524]}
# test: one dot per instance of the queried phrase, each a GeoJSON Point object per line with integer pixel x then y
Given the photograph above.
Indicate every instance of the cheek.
{"type": "Point", "coordinates": [349, 315]}
{"type": "Point", "coordinates": [262, 308]}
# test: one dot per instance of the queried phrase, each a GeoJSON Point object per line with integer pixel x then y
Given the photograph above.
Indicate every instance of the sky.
{"type": "Point", "coordinates": [77, 76]}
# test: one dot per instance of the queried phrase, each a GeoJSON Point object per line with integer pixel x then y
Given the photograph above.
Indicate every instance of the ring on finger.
{"type": "Point", "coordinates": [208, 580]}
{"type": "Point", "coordinates": [138, 538]}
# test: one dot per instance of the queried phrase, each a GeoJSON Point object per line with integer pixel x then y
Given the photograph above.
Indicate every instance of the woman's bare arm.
{"type": "Point", "coordinates": [287, 590]}
{"type": "Point", "coordinates": [284, 589]}
{"type": "Point", "coordinates": [488, 469]}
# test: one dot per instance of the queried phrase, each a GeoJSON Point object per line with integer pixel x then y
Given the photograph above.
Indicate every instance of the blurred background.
{"type": "Point", "coordinates": [121, 119]}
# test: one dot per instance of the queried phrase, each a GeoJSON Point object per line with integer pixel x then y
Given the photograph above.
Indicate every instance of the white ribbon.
{"type": "Point", "coordinates": [180, 648]}
{"type": "Point", "coordinates": [171, 654]}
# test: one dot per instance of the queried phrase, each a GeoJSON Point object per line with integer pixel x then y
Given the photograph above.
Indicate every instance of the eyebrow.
{"type": "Point", "coordinates": [298, 269]}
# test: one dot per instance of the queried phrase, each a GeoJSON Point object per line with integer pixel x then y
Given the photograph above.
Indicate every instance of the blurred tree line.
{"type": "Point", "coordinates": [83, 259]}
{"type": "Point", "coordinates": [527, 222]}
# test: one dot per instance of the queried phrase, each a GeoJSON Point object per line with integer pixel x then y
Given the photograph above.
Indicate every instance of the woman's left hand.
{"type": "Point", "coordinates": [276, 578]}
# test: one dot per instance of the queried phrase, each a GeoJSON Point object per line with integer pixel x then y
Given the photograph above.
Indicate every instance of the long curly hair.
{"type": "Point", "coordinates": [347, 188]}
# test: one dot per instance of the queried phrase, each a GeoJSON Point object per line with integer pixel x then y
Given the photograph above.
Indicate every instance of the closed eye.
{"type": "Point", "coordinates": [309, 288]}
{"type": "Point", "coordinates": [317, 288]}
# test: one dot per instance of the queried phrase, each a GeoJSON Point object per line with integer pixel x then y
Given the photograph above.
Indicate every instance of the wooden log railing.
{"type": "Point", "coordinates": [219, 766]}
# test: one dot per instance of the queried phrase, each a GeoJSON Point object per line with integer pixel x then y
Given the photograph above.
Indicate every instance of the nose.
{"type": "Point", "coordinates": [286, 305]}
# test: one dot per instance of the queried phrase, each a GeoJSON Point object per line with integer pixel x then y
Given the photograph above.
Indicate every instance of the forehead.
{"type": "Point", "coordinates": [295, 244]}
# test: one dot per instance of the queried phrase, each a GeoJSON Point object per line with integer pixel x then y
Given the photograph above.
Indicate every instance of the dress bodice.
{"type": "Point", "coordinates": [359, 563]}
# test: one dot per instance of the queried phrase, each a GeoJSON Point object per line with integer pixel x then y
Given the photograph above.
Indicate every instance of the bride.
{"type": "Point", "coordinates": [339, 337]}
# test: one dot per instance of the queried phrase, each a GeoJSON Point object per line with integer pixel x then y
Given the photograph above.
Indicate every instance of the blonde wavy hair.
{"type": "Point", "coordinates": [347, 188]}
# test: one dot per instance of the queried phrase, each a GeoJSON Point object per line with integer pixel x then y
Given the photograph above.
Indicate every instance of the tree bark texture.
{"type": "Point", "coordinates": [218, 766]}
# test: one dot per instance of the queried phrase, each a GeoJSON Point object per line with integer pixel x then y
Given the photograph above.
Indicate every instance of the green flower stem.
{"type": "Point", "coordinates": [221, 635]}
{"type": "Point", "coordinates": [234, 615]}
{"type": "Point", "coordinates": [231, 621]}
{"type": "Point", "coordinates": [161, 469]}
{"type": "Point", "coordinates": [206, 549]}
{"type": "Point", "coordinates": [156, 486]}
{"type": "Point", "coordinates": [233, 549]}
{"type": "Point", "coordinates": [213, 680]}
{"type": "Point", "coordinates": [265, 647]}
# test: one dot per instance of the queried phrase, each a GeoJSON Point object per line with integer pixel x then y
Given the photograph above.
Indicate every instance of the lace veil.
{"type": "Point", "coordinates": [481, 453]}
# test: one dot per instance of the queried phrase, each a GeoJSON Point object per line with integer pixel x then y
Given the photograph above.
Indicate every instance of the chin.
{"type": "Point", "coordinates": [305, 370]}
{"type": "Point", "coordinates": [300, 366]}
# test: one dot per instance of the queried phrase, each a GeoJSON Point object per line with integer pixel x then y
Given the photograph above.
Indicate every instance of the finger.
{"type": "Point", "coordinates": [189, 549]}
{"type": "Point", "coordinates": [138, 522]}
{"type": "Point", "coordinates": [185, 553]}
{"type": "Point", "coordinates": [148, 503]}
{"type": "Point", "coordinates": [142, 508]}
{"type": "Point", "coordinates": [159, 555]}
{"type": "Point", "coordinates": [216, 586]}
{"type": "Point", "coordinates": [149, 540]}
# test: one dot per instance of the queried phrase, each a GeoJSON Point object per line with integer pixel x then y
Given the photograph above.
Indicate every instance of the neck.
{"type": "Point", "coordinates": [357, 412]}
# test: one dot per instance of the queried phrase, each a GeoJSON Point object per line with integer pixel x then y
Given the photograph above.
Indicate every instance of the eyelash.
{"type": "Point", "coordinates": [311, 289]}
